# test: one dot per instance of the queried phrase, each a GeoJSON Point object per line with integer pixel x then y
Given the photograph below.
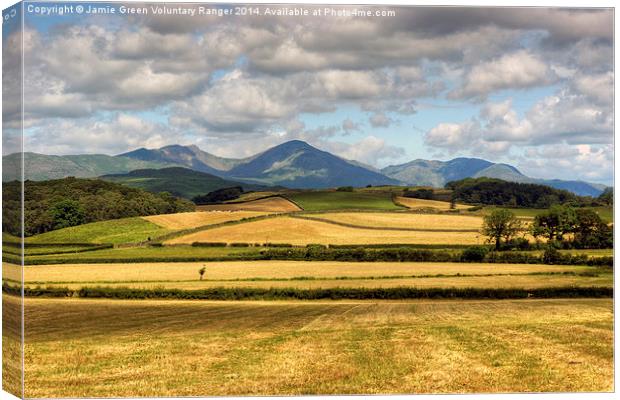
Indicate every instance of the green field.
{"type": "Point", "coordinates": [205, 348]}
{"type": "Point", "coordinates": [116, 231]}
{"type": "Point", "coordinates": [333, 200]}
{"type": "Point", "coordinates": [135, 254]}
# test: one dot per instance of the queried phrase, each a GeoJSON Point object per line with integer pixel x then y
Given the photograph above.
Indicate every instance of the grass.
{"type": "Point", "coordinates": [528, 282]}
{"type": "Point", "coordinates": [411, 202]}
{"type": "Point", "coordinates": [116, 231]}
{"type": "Point", "coordinates": [333, 200]}
{"type": "Point", "coordinates": [404, 220]}
{"type": "Point", "coordinates": [269, 270]}
{"type": "Point", "coordinates": [118, 348]}
{"type": "Point", "coordinates": [301, 232]}
{"type": "Point", "coordinates": [191, 220]}
{"type": "Point", "coordinates": [269, 204]}
{"type": "Point", "coordinates": [137, 254]}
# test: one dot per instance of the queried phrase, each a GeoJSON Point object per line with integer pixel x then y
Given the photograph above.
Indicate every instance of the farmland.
{"type": "Point", "coordinates": [276, 271]}
{"type": "Point", "coordinates": [114, 231]}
{"type": "Point", "coordinates": [298, 231]}
{"type": "Point", "coordinates": [268, 204]}
{"type": "Point", "coordinates": [414, 203]}
{"type": "Point", "coordinates": [189, 348]}
{"type": "Point", "coordinates": [196, 219]}
{"type": "Point", "coordinates": [422, 322]}
{"type": "Point", "coordinates": [429, 222]}
{"type": "Point", "coordinates": [335, 200]}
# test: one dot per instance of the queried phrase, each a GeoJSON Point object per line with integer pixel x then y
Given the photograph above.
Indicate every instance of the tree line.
{"type": "Point", "coordinates": [60, 203]}
{"type": "Point", "coordinates": [562, 227]}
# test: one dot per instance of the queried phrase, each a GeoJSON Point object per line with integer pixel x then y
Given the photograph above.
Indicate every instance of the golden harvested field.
{"type": "Point", "coordinates": [271, 270]}
{"type": "Point", "coordinates": [116, 348]}
{"type": "Point", "coordinates": [411, 202]}
{"type": "Point", "coordinates": [11, 271]}
{"type": "Point", "coordinates": [191, 220]}
{"type": "Point", "coordinates": [270, 204]}
{"type": "Point", "coordinates": [404, 220]}
{"type": "Point", "coordinates": [301, 232]}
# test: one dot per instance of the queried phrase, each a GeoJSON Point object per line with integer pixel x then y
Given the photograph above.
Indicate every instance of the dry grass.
{"type": "Point", "coordinates": [271, 270]}
{"type": "Point", "coordinates": [301, 232]}
{"type": "Point", "coordinates": [270, 204]}
{"type": "Point", "coordinates": [103, 348]}
{"type": "Point", "coordinates": [191, 220]}
{"type": "Point", "coordinates": [11, 271]}
{"type": "Point", "coordinates": [11, 345]}
{"type": "Point", "coordinates": [413, 203]}
{"type": "Point", "coordinates": [404, 220]}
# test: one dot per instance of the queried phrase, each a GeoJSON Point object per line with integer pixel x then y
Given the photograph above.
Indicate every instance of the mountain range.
{"type": "Point", "coordinates": [294, 164]}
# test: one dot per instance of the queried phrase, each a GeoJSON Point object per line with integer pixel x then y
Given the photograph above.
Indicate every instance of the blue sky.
{"type": "Point", "coordinates": [531, 87]}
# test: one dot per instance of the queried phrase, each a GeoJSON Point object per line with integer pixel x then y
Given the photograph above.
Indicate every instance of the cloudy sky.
{"type": "Point", "coordinates": [532, 87]}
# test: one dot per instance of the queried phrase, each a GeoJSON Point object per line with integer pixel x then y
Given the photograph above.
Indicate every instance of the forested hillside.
{"type": "Point", "coordinates": [71, 201]}
{"type": "Point", "coordinates": [512, 194]}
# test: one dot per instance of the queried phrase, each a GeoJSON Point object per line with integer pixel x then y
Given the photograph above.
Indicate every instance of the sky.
{"type": "Point", "coordinates": [532, 87]}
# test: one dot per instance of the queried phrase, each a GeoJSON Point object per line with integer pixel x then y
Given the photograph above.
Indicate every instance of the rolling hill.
{"type": "Point", "coordinates": [178, 181]}
{"type": "Point", "coordinates": [41, 167]}
{"type": "Point", "coordinates": [438, 173]}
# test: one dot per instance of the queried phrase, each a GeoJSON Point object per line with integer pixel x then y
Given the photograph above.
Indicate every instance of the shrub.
{"type": "Point", "coordinates": [474, 254]}
{"type": "Point", "coordinates": [551, 255]}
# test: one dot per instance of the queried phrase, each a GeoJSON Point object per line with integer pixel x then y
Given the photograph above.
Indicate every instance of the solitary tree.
{"type": "Point", "coordinates": [501, 224]}
{"type": "Point", "coordinates": [202, 271]}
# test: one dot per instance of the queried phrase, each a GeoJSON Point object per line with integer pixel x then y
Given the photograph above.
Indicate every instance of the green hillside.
{"type": "Point", "coordinates": [117, 231]}
{"type": "Point", "coordinates": [336, 200]}
{"type": "Point", "coordinates": [182, 182]}
{"type": "Point", "coordinates": [62, 203]}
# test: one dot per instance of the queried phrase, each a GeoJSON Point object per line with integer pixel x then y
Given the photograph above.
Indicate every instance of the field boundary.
{"type": "Point", "coordinates": [397, 293]}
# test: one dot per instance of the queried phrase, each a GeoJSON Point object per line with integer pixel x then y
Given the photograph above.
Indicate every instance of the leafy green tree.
{"type": "Point", "coordinates": [501, 224]}
{"type": "Point", "coordinates": [555, 222]}
{"type": "Point", "coordinates": [591, 231]}
{"type": "Point", "coordinates": [67, 213]}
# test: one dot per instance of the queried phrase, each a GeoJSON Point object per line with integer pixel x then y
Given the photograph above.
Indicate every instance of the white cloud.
{"type": "Point", "coordinates": [518, 70]}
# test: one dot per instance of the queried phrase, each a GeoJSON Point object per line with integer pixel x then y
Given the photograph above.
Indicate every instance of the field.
{"type": "Point", "coordinates": [195, 219]}
{"type": "Point", "coordinates": [402, 220]}
{"type": "Point", "coordinates": [334, 200]}
{"type": "Point", "coordinates": [136, 254]}
{"type": "Point", "coordinates": [269, 204]}
{"type": "Point", "coordinates": [276, 321]}
{"type": "Point", "coordinates": [115, 231]}
{"type": "Point", "coordinates": [413, 203]}
{"type": "Point", "coordinates": [189, 348]}
{"type": "Point", "coordinates": [298, 231]}
{"type": "Point", "coordinates": [273, 271]}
